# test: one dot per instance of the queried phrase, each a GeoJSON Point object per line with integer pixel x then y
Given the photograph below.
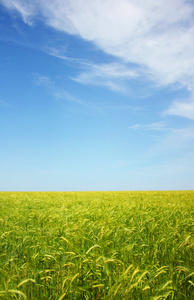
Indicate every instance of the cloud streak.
{"type": "Point", "coordinates": [171, 141]}
{"type": "Point", "coordinates": [158, 126]}
{"type": "Point", "coordinates": [61, 94]}
{"type": "Point", "coordinates": [157, 36]}
{"type": "Point", "coordinates": [182, 108]}
{"type": "Point", "coordinates": [58, 93]}
{"type": "Point", "coordinates": [175, 142]}
{"type": "Point", "coordinates": [113, 75]}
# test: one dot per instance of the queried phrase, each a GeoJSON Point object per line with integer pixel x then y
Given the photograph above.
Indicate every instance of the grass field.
{"type": "Point", "coordinates": [96, 245]}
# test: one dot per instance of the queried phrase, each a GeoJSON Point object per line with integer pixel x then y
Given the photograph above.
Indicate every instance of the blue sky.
{"type": "Point", "coordinates": [96, 95]}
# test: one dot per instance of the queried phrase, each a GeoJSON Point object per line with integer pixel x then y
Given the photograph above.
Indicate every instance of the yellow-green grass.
{"type": "Point", "coordinates": [96, 245]}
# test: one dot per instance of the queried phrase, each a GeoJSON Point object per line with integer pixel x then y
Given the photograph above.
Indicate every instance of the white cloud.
{"type": "Point", "coordinates": [112, 75]}
{"type": "Point", "coordinates": [182, 109]}
{"type": "Point", "coordinates": [42, 80]}
{"type": "Point", "coordinates": [158, 126]}
{"type": "Point", "coordinates": [175, 142]}
{"type": "Point", "coordinates": [62, 95]}
{"type": "Point", "coordinates": [57, 92]}
{"type": "Point", "coordinates": [157, 36]}
{"type": "Point", "coordinates": [186, 133]}
{"type": "Point", "coordinates": [27, 9]}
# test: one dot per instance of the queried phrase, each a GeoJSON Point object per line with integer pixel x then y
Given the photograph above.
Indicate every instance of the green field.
{"type": "Point", "coordinates": [96, 245]}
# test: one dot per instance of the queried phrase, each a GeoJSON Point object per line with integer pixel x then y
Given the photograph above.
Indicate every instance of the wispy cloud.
{"type": "Point", "coordinates": [174, 142]}
{"type": "Point", "coordinates": [157, 36]}
{"type": "Point", "coordinates": [27, 9]}
{"type": "Point", "coordinates": [171, 141]}
{"type": "Point", "coordinates": [57, 92]}
{"type": "Point", "coordinates": [158, 126]}
{"type": "Point", "coordinates": [182, 108]}
{"type": "Point", "coordinates": [186, 133]}
{"type": "Point", "coordinates": [112, 75]}
{"type": "Point", "coordinates": [61, 94]}
{"type": "Point", "coordinates": [117, 76]}
{"type": "Point", "coordinates": [168, 155]}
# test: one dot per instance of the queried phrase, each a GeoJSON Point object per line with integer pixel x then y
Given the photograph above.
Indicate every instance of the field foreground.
{"type": "Point", "coordinates": [96, 245]}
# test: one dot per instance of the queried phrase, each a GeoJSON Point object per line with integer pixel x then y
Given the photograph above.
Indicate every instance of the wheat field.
{"type": "Point", "coordinates": [96, 245]}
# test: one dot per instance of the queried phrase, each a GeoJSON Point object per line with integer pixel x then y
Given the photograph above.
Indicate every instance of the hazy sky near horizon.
{"type": "Point", "coordinates": [96, 95]}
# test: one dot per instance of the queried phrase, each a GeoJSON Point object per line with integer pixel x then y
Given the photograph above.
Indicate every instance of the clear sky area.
{"type": "Point", "coordinates": [96, 95]}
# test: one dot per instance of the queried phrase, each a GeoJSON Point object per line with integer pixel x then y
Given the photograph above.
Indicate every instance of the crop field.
{"type": "Point", "coordinates": [96, 245]}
